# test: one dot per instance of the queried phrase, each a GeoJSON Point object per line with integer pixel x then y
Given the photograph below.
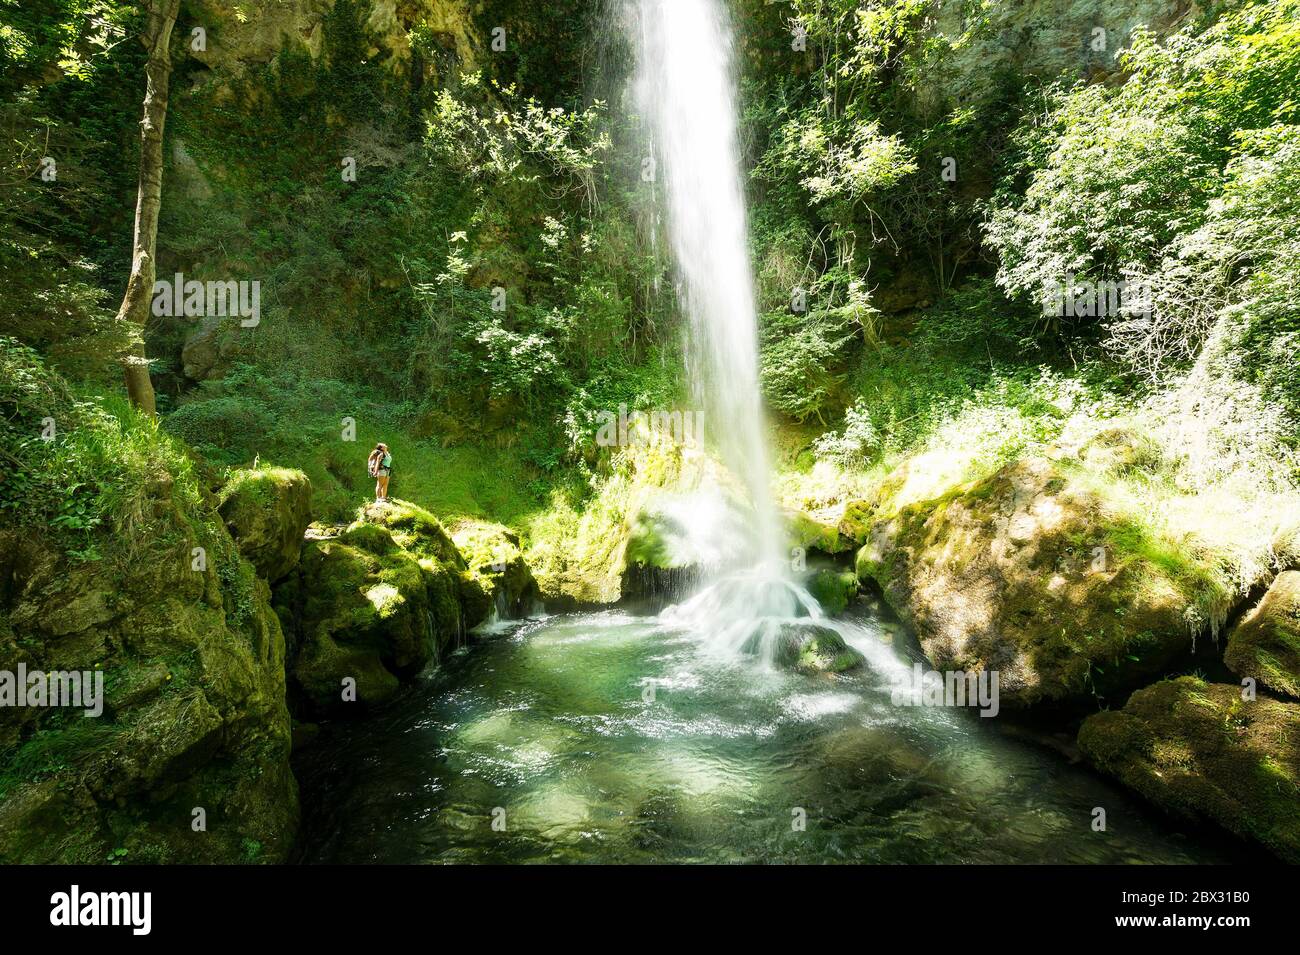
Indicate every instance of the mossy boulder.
{"type": "Point", "coordinates": [1265, 644]}
{"type": "Point", "coordinates": [833, 589]}
{"type": "Point", "coordinates": [194, 714]}
{"type": "Point", "coordinates": [856, 521]}
{"type": "Point", "coordinates": [1027, 573]}
{"type": "Point", "coordinates": [811, 648]}
{"type": "Point", "coordinates": [659, 560]}
{"type": "Point", "coordinates": [369, 609]}
{"type": "Point", "coordinates": [1198, 750]}
{"type": "Point", "coordinates": [656, 541]}
{"type": "Point", "coordinates": [495, 561]}
{"type": "Point", "coordinates": [266, 511]}
{"type": "Point", "coordinates": [414, 529]}
{"type": "Point", "coordinates": [810, 534]}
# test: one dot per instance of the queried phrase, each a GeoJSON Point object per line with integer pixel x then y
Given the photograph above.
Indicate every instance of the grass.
{"type": "Point", "coordinates": [327, 429]}
{"type": "Point", "coordinates": [91, 469]}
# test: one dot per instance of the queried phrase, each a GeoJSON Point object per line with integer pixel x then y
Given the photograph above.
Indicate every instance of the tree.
{"type": "Point", "coordinates": [160, 19]}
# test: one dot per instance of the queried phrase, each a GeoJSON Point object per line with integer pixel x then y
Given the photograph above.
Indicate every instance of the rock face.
{"type": "Point", "coordinates": [1265, 644]}
{"type": "Point", "coordinates": [494, 559]}
{"type": "Point", "coordinates": [1025, 574]}
{"type": "Point", "coordinates": [370, 608]}
{"type": "Point", "coordinates": [206, 351]}
{"type": "Point", "coordinates": [194, 713]}
{"type": "Point", "coordinates": [1044, 39]}
{"type": "Point", "coordinates": [266, 511]}
{"type": "Point", "coordinates": [237, 42]}
{"type": "Point", "coordinates": [1199, 751]}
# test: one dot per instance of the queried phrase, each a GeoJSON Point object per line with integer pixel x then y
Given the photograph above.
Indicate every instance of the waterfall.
{"type": "Point", "coordinates": [685, 91]}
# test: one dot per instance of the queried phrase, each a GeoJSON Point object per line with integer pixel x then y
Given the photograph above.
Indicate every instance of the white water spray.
{"type": "Point", "coordinates": [685, 89]}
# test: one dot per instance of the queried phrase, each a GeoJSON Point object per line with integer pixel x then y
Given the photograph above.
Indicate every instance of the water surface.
{"type": "Point", "coordinates": [608, 737]}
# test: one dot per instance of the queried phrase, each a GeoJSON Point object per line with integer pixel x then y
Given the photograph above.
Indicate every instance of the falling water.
{"type": "Point", "coordinates": [685, 90]}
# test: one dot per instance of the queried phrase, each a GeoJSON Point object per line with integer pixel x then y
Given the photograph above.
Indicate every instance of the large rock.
{"type": "Point", "coordinates": [1024, 573]}
{"type": "Point", "coordinates": [608, 550]}
{"type": "Point", "coordinates": [266, 511]}
{"type": "Point", "coordinates": [1265, 644]}
{"type": "Point", "coordinates": [194, 711]}
{"type": "Point", "coordinates": [812, 648]}
{"type": "Point", "coordinates": [1200, 751]}
{"type": "Point", "coordinates": [494, 559]}
{"type": "Point", "coordinates": [368, 609]}
{"type": "Point", "coordinates": [659, 559]}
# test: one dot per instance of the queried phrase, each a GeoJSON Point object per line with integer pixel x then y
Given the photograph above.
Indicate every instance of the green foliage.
{"type": "Point", "coordinates": [843, 160]}
{"type": "Point", "coordinates": [89, 468]}
{"type": "Point", "coordinates": [854, 444]}
{"type": "Point", "coordinates": [1123, 180]}
{"type": "Point", "coordinates": [69, 112]}
{"type": "Point", "coordinates": [799, 356]}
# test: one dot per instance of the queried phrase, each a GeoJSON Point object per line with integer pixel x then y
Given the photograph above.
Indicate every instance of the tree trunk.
{"type": "Point", "coordinates": [161, 17]}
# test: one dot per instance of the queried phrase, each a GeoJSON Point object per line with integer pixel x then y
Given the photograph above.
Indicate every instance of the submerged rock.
{"type": "Point", "coordinates": [1265, 644]}
{"type": "Point", "coordinates": [811, 648]}
{"type": "Point", "coordinates": [1024, 573]}
{"type": "Point", "coordinates": [1200, 751]}
{"type": "Point", "coordinates": [266, 511]}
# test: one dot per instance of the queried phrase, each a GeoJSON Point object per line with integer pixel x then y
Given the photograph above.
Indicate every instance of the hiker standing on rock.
{"type": "Point", "coordinates": [380, 464]}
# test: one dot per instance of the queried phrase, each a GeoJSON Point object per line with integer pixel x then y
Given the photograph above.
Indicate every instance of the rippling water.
{"type": "Point", "coordinates": [606, 737]}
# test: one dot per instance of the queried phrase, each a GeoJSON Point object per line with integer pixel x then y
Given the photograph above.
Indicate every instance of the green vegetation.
{"type": "Point", "coordinates": [457, 255]}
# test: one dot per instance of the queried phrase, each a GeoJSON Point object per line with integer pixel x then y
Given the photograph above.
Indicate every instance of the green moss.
{"type": "Point", "coordinates": [833, 589]}
{"type": "Point", "coordinates": [856, 522]}
{"type": "Point", "coordinates": [1199, 750]}
{"type": "Point", "coordinates": [373, 538]}
{"type": "Point", "coordinates": [810, 534]}
{"type": "Point", "coordinates": [1265, 644]}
